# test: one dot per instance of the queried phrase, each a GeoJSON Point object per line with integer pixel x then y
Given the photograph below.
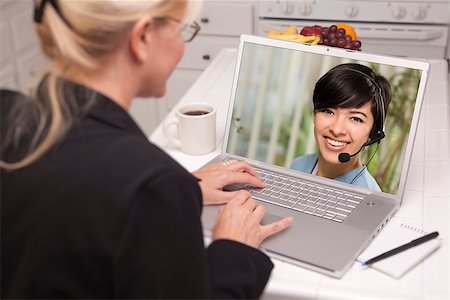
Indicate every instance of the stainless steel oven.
{"type": "Point", "coordinates": [399, 27]}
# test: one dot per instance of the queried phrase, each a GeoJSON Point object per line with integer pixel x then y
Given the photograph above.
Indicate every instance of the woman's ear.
{"type": "Point", "coordinates": [141, 39]}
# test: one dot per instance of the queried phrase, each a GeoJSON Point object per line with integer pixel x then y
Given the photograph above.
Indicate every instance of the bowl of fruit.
{"type": "Point", "coordinates": [338, 35]}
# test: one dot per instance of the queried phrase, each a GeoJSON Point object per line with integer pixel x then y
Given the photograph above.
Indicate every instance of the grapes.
{"type": "Point", "coordinates": [356, 44]}
{"type": "Point", "coordinates": [348, 39]}
{"type": "Point", "coordinates": [337, 37]}
{"type": "Point", "coordinates": [340, 43]}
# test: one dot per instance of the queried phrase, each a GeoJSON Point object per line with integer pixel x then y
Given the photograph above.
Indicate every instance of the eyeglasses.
{"type": "Point", "coordinates": [188, 31]}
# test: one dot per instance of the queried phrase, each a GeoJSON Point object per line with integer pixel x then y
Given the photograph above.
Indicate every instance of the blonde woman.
{"type": "Point", "coordinates": [90, 208]}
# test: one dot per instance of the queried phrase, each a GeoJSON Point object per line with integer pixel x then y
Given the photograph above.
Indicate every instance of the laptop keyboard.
{"type": "Point", "coordinates": [306, 197]}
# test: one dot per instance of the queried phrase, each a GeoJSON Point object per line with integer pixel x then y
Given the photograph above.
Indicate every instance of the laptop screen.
{"type": "Point", "coordinates": [346, 116]}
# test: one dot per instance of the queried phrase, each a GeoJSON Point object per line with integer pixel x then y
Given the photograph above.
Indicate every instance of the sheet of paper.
{"type": "Point", "coordinates": [394, 235]}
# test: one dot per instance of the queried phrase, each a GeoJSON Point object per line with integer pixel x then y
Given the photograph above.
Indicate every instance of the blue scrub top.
{"type": "Point", "coordinates": [306, 163]}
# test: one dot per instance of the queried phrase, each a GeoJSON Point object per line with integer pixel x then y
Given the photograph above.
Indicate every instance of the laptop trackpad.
{"type": "Point", "coordinates": [315, 241]}
{"type": "Point", "coordinates": [270, 218]}
{"type": "Point", "coordinates": [308, 239]}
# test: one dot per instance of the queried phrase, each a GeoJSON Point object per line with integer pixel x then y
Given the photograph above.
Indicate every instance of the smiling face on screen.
{"type": "Point", "coordinates": [339, 130]}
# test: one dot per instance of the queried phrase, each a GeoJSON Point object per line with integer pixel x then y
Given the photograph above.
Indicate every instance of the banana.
{"type": "Point", "coordinates": [295, 38]}
{"type": "Point", "coordinates": [316, 41]}
{"type": "Point", "coordinates": [273, 32]}
{"type": "Point", "coordinates": [290, 30]}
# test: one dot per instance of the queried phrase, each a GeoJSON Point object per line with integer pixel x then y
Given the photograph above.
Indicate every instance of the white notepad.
{"type": "Point", "coordinates": [394, 235]}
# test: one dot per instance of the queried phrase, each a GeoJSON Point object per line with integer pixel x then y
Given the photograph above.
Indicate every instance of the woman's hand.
{"type": "Point", "coordinates": [240, 220]}
{"type": "Point", "coordinates": [216, 176]}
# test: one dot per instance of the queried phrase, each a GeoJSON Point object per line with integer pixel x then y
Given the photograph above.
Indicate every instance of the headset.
{"type": "Point", "coordinates": [377, 132]}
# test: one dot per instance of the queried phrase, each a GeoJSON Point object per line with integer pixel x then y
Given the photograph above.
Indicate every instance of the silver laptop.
{"type": "Point", "coordinates": [270, 125]}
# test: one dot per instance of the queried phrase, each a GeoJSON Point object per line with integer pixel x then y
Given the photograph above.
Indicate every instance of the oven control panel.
{"type": "Point", "coordinates": [397, 11]}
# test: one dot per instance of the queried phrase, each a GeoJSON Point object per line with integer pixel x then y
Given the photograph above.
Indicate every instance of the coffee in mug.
{"type": "Point", "coordinates": [196, 128]}
{"type": "Point", "coordinates": [196, 112]}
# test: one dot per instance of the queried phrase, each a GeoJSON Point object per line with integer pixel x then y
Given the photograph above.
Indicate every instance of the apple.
{"type": "Point", "coordinates": [318, 27]}
{"type": "Point", "coordinates": [311, 30]}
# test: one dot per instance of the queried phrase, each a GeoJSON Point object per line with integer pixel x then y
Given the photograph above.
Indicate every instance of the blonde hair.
{"type": "Point", "coordinates": [82, 34]}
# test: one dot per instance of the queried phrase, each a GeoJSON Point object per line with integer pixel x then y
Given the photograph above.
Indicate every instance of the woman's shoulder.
{"type": "Point", "coordinates": [7, 95]}
{"type": "Point", "coordinates": [110, 138]}
{"type": "Point", "coordinates": [141, 153]}
{"type": "Point", "coordinates": [367, 180]}
{"type": "Point", "coordinates": [16, 109]}
{"type": "Point", "coordinates": [123, 152]}
{"type": "Point", "coordinates": [118, 167]}
{"type": "Point", "coordinates": [10, 99]}
{"type": "Point", "coordinates": [304, 163]}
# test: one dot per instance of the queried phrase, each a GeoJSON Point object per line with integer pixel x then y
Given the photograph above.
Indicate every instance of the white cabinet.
{"type": "Point", "coordinates": [229, 18]}
{"type": "Point", "coordinates": [203, 49]}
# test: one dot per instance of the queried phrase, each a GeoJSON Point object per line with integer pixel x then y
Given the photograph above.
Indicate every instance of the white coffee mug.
{"type": "Point", "coordinates": [196, 128]}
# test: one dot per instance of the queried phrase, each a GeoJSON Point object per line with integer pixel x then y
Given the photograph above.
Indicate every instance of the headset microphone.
{"type": "Point", "coordinates": [345, 157]}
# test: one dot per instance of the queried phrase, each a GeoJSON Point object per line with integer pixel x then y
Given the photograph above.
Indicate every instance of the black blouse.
{"type": "Point", "coordinates": [107, 214]}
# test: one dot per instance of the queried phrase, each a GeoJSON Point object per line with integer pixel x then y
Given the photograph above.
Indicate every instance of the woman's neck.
{"type": "Point", "coordinates": [332, 170]}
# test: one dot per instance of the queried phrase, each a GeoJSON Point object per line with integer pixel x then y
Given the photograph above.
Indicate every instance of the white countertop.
{"type": "Point", "coordinates": [426, 200]}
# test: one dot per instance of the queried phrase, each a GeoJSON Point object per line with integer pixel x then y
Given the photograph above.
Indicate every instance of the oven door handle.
{"type": "Point", "coordinates": [399, 34]}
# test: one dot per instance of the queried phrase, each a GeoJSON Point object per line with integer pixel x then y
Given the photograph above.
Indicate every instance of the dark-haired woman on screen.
{"type": "Point", "coordinates": [350, 105]}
